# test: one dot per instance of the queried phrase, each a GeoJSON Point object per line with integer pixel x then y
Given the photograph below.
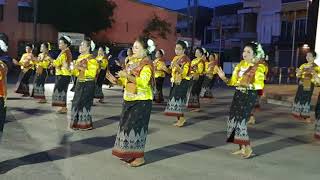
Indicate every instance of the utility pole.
{"type": "Point", "coordinates": [294, 37]}
{"type": "Point", "coordinates": [220, 41]}
{"type": "Point", "coordinates": [189, 21]}
{"type": "Point", "coordinates": [35, 20]}
{"type": "Point", "coordinates": [194, 23]}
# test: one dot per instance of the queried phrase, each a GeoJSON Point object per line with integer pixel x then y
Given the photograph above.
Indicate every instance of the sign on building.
{"type": "Point", "coordinates": [25, 3]}
{"type": "Point", "coordinates": [76, 38]}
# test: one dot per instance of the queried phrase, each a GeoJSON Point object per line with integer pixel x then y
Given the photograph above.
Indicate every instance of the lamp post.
{"type": "Point", "coordinates": [308, 6]}
{"type": "Point", "coordinates": [294, 36]}
{"type": "Point", "coordinates": [305, 47]}
{"type": "Point", "coordinates": [35, 19]}
{"type": "Point", "coordinates": [194, 22]}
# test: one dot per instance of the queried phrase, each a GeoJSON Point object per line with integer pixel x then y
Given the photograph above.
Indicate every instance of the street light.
{"type": "Point", "coordinates": [35, 20]}
{"type": "Point", "coordinates": [306, 46]}
{"type": "Point", "coordinates": [308, 6]}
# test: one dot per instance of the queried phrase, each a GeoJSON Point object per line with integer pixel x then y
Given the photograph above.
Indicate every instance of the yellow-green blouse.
{"type": "Point", "coordinates": [45, 62]}
{"type": "Point", "coordinates": [26, 57]}
{"type": "Point", "coordinates": [103, 61]}
{"type": "Point", "coordinates": [208, 70]}
{"type": "Point", "coordinates": [198, 64]}
{"type": "Point", "coordinates": [185, 72]}
{"type": "Point", "coordinates": [241, 68]}
{"type": "Point", "coordinates": [158, 66]}
{"type": "Point", "coordinates": [143, 82]}
{"type": "Point", "coordinates": [61, 65]}
{"type": "Point", "coordinates": [305, 66]}
{"type": "Point", "coordinates": [92, 67]}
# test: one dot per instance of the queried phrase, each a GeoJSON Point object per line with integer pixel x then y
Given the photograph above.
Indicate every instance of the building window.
{"type": "Point", "coordinates": [284, 29]}
{"type": "Point", "coordinates": [250, 22]}
{"type": "Point", "coordinates": [25, 10]}
{"type": "Point", "coordinates": [301, 28]}
{"type": "Point", "coordinates": [25, 14]}
{"type": "Point", "coordinates": [287, 29]}
{"type": "Point", "coordinates": [1, 11]}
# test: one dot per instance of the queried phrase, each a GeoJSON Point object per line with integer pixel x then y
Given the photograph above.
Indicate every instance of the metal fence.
{"type": "Point", "coordinates": [282, 75]}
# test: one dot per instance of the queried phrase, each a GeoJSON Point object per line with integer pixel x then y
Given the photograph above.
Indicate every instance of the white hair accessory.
{"type": "Point", "coordinates": [67, 38]}
{"type": "Point", "coordinates": [260, 52]}
{"type": "Point", "coordinates": [151, 45]}
{"type": "Point", "coordinates": [107, 50]}
{"type": "Point", "coordinates": [162, 51]}
{"type": "Point", "coordinates": [92, 45]}
{"type": "Point", "coordinates": [204, 50]}
{"type": "Point", "coordinates": [3, 46]}
{"type": "Point", "coordinates": [187, 44]}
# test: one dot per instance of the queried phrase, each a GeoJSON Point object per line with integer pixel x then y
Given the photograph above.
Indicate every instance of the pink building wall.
{"type": "Point", "coordinates": [19, 31]}
{"type": "Point", "coordinates": [131, 18]}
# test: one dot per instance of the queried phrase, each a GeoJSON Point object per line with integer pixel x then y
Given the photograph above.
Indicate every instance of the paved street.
{"type": "Point", "coordinates": [36, 145]}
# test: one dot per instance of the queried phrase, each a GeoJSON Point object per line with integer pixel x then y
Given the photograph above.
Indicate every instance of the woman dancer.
{"type": "Point", "coordinates": [247, 77]}
{"type": "Point", "coordinates": [159, 75]}
{"type": "Point", "coordinates": [86, 68]}
{"type": "Point", "coordinates": [302, 101]}
{"type": "Point", "coordinates": [27, 66]}
{"type": "Point", "coordinates": [103, 68]}
{"type": "Point", "coordinates": [180, 83]}
{"type": "Point", "coordinates": [196, 73]}
{"type": "Point", "coordinates": [63, 75]}
{"type": "Point", "coordinates": [42, 65]}
{"type": "Point", "coordinates": [133, 128]}
{"type": "Point", "coordinates": [209, 79]}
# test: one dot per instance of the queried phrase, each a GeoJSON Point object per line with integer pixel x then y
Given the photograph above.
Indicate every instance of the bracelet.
{"type": "Point", "coordinates": [225, 80]}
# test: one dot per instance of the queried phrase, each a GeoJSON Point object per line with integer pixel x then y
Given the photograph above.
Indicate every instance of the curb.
{"type": "Point", "coordinates": [279, 102]}
{"type": "Point", "coordinates": [285, 103]}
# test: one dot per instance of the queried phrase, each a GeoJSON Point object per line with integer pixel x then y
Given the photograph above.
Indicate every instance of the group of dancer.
{"type": "Point", "coordinates": [88, 71]}
{"type": "Point", "coordinates": [142, 80]}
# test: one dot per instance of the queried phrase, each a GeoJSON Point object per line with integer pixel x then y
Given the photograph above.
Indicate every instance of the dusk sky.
{"type": "Point", "coordinates": [177, 4]}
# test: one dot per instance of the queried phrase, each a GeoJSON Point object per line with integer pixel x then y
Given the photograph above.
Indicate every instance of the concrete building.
{"type": "Point", "coordinates": [224, 28]}
{"type": "Point", "coordinates": [280, 25]}
{"type": "Point", "coordinates": [260, 21]}
{"type": "Point", "coordinates": [294, 15]}
{"type": "Point", "coordinates": [203, 19]}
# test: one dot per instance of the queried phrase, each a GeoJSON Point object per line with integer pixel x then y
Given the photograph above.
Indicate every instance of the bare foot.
{"type": "Point", "coordinates": [62, 110]}
{"type": "Point", "coordinates": [42, 101]}
{"type": "Point", "coordinates": [137, 162]}
{"type": "Point", "coordinates": [180, 122]}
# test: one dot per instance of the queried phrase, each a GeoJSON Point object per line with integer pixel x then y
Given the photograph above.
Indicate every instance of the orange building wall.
{"type": "Point", "coordinates": [18, 31]}
{"type": "Point", "coordinates": [127, 11]}
{"type": "Point", "coordinates": [137, 15]}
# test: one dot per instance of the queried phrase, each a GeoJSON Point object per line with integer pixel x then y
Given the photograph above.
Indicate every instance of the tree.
{"type": "Point", "coordinates": [83, 16]}
{"type": "Point", "coordinates": [158, 26]}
